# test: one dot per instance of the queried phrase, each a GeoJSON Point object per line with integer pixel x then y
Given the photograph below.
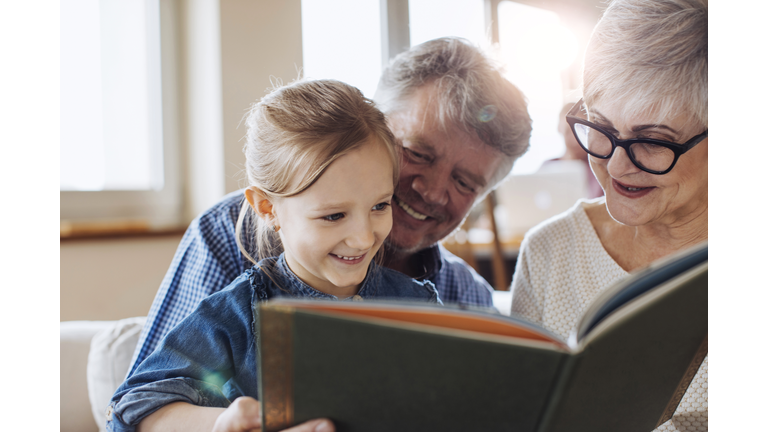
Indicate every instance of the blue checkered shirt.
{"type": "Point", "coordinates": [208, 260]}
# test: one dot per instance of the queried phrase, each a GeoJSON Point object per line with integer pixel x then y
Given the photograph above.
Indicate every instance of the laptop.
{"type": "Point", "coordinates": [524, 201]}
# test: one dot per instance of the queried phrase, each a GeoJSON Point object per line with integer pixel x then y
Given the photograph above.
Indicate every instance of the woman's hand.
{"type": "Point", "coordinates": [244, 415]}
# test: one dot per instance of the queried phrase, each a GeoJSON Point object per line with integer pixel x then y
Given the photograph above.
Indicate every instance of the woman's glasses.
{"type": "Point", "coordinates": [650, 155]}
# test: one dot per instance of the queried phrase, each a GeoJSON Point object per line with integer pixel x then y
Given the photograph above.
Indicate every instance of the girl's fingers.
{"type": "Point", "coordinates": [320, 425]}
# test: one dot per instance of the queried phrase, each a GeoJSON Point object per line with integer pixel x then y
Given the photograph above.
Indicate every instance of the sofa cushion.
{"type": "Point", "coordinates": [75, 342]}
{"type": "Point", "coordinates": [108, 362]}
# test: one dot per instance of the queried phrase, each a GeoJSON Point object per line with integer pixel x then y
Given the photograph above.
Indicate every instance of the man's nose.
{"type": "Point", "coordinates": [432, 186]}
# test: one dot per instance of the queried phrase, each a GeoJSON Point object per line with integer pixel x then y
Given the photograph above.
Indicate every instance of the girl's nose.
{"type": "Point", "coordinates": [361, 236]}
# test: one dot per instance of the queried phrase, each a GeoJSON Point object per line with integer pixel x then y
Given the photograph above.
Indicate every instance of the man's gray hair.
{"type": "Point", "coordinates": [472, 94]}
{"type": "Point", "coordinates": [650, 56]}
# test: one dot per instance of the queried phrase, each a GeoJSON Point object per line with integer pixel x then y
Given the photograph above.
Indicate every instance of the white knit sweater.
{"type": "Point", "coordinates": [561, 268]}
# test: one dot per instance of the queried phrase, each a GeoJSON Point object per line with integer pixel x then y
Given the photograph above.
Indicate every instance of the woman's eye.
{"type": "Point", "coordinates": [380, 206]}
{"type": "Point", "coordinates": [654, 148]}
{"type": "Point", "coordinates": [658, 138]}
{"type": "Point", "coordinates": [334, 217]}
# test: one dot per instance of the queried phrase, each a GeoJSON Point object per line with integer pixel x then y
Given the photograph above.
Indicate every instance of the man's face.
{"type": "Point", "coordinates": [442, 173]}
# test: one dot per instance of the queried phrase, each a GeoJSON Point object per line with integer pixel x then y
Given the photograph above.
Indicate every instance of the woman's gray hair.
{"type": "Point", "coordinates": [650, 56]}
{"type": "Point", "coordinates": [472, 94]}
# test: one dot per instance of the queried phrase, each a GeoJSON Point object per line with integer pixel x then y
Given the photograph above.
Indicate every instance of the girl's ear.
{"type": "Point", "coordinates": [261, 204]}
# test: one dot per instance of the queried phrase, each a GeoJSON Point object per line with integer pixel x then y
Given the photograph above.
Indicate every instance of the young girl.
{"type": "Point", "coordinates": [322, 167]}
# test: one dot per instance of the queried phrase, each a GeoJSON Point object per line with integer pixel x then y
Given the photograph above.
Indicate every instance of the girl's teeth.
{"type": "Point", "coordinates": [349, 258]}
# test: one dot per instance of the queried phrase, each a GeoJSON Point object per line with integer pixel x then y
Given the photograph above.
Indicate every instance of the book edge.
{"type": "Point", "coordinates": [276, 338]}
{"type": "Point", "coordinates": [557, 346]}
{"type": "Point", "coordinates": [685, 382]}
{"type": "Point", "coordinates": [580, 331]}
{"type": "Point", "coordinates": [639, 302]}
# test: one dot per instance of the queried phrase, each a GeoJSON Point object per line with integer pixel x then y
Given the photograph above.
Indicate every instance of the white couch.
{"type": "Point", "coordinates": [95, 356]}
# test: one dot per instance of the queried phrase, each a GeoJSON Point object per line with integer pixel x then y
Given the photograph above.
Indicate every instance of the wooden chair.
{"type": "Point", "coordinates": [460, 246]}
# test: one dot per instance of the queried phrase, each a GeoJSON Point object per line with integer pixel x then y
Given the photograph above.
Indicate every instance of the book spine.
{"type": "Point", "coordinates": [685, 382]}
{"type": "Point", "coordinates": [276, 356]}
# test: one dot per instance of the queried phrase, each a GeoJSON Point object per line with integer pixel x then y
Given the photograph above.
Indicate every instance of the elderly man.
{"type": "Point", "coordinates": [460, 125]}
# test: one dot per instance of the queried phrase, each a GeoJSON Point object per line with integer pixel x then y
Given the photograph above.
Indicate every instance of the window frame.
{"type": "Point", "coordinates": [157, 209]}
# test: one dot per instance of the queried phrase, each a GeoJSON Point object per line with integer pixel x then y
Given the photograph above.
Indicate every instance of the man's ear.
{"type": "Point", "coordinates": [261, 204]}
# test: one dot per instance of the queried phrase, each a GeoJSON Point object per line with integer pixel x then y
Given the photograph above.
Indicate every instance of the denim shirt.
{"type": "Point", "coordinates": [208, 259]}
{"type": "Point", "coordinates": [209, 359]}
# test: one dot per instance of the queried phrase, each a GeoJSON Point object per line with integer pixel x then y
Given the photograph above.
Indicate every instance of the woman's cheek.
{"type": "Point", "coordinates": [599, 170]}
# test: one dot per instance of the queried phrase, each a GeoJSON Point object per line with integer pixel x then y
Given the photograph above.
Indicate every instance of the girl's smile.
{"type": "Point", "coordinates": [332, 230]}
{"type": "Point", "coordinates": [349, 260]}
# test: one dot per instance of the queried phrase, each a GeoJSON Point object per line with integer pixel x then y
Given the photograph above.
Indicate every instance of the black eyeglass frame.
{"type": "Point", "coordinates": [677, 149]}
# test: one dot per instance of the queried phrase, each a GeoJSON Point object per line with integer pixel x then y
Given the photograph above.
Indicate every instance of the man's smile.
{"type": "Point", "coordinates": [408, 209]}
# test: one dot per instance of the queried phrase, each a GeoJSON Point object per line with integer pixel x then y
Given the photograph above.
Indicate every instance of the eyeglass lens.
{"type": "Point", "coordinates": [650, 156]}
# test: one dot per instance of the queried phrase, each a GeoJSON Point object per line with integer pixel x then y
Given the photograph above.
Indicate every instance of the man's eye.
{"type": "Point", "coordinates": [333, 217]}
{"type": "Point", "coordinates": [381, 206]}
{"type": "Point", "coordinates": [464, 186]}
{"type": "Point", "coordinates": [418, 157]}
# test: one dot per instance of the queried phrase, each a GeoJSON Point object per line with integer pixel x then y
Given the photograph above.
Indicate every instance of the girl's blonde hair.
{"type": "Point", "coordinates": [293, 135]}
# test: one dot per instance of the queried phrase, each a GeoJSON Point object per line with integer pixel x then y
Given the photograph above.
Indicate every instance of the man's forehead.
{"type": "Point", "coordinates": [470, 157]}
{"type": "Point", "coordinates": [426, 131]}
{"type": "Point", "coordinates": [452, 140]}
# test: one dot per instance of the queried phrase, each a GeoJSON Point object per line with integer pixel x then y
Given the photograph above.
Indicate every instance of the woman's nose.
{"type": "Point", "coordinates": [619, 164]}
{"type": "Point", "coordinates": [432, 187]}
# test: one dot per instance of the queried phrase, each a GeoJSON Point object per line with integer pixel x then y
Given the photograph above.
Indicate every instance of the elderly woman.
{"type": "Point", "coordinates": [643, 122]}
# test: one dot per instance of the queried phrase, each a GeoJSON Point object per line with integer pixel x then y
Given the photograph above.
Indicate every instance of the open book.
{"type": "Point", "coordinates": [376, 366]}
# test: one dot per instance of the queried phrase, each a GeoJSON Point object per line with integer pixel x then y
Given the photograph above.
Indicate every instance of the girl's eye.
{"type": "Point", "coordinates": [381, 206]}
{"type": "Point", "coordinates": [333, 217]}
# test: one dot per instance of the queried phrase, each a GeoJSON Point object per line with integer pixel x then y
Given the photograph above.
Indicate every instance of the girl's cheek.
{"type": "Point", "coordinates": [384, 226]}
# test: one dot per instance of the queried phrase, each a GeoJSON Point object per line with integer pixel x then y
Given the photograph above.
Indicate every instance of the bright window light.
{"type": "Point", "coordinates": [536, 48]}
{"type": "Point", "coordinates": [432, 19]}
{"type": "Point", "coordinates": [341, 39]}
{"type": "Point", "coordinates": [111, 122]}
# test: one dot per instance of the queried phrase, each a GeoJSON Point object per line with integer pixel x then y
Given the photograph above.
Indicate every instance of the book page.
{"type": "Point", "coordinates": [445, 318]}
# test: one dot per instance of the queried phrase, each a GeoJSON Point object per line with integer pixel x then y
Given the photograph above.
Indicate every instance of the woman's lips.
{"type": "Point", "coordinates": [630, 191]}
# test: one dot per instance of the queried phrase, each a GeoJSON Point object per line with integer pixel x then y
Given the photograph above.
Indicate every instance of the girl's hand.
{"type": "Point", "coordinates": [244, 415]}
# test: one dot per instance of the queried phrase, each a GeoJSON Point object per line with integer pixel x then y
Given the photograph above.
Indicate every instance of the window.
{"type": "Point", "coordinates": [118, 149]}
{"type": "Point", "coordinates": [536, 49]}
{"type": "Point", "coordinates": [342, 41]}
{"type": "Point", "coordinates": [432, 19]}
{"type": "Point", "coordinates": [533, 45]}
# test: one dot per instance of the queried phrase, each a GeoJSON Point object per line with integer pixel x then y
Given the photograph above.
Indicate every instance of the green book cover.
{"type": "Point", "coordinates": [383, 366]}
